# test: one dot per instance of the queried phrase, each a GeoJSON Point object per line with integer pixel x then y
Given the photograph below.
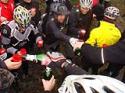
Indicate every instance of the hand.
{"type": "Point", "coordinates": [55, 56]}
{"type": "Point", "coordinates": [40, 43]}
{"type": "Point", "coordinates": [45, 60]}
{"type": "Point", "coordinates": [78, 45]}
{"type": "Point", "coordinates": [3, 19]}
{"type": "Point", "coordinates": [82, 33]}
{"type": "Point", "coordinates": [33, 11]}
{"type": "Point", "coordinates": [22, 52]}
{"type": "Point", "coordinates": [73, 41]}
{"type": "Point", "coordinates": [48, 85]}
{"type": "Point", "coordinates": [12, 65]}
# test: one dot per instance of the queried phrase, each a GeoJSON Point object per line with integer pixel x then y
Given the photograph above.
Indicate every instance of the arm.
{"type": "Point", "coordinates": [72, 24]}
{"type": "Point", "coordinates": [6, 40]}
{"type": "Point", "coordinates": [92, 38]}
{"type": "Point", "coordinates": [38, 36]}
{"type": "Point", "coordinates": [56, 32]}
{"type": "Point", "coordinates": [3, 65]}
{"type": "Point", "coordinates": [113, 54]}
{"type": "Point", "coordinates": [8, 64]}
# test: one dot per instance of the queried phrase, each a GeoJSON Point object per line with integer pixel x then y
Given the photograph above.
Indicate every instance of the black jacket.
{"type": "Point", "coordinates": [2, 65]}
{"type": "Point", "coordinates": [112, 54]}
{"type": "Point", "coordinates": [78, 21]}
{"type": "Point", "coordinates": [54, 31]}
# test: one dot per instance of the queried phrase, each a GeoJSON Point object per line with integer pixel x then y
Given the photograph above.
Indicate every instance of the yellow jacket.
{"type": "Point", "coordinates": [105, 35]}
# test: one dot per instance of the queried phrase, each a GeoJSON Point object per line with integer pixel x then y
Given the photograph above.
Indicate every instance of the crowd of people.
{"type": "Point", "coordinates": [60, 31]}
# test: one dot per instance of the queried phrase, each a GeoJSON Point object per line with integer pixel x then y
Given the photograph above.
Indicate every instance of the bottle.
{"type": "Point", "coordinates": [47, 73]}
{"type": "Point", "coordinates": [35, 58]}
{"type": "Point", "coordinates": [78, 52]}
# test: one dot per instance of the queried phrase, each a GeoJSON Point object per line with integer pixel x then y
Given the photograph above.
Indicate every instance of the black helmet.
{"type": "Point", "coordinates": [59, 9]}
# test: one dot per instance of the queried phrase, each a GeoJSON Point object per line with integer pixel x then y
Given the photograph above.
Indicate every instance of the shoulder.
{"type": "Point", "coordinates": [5, 30]}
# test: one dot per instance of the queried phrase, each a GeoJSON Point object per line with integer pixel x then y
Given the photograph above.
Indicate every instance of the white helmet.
{"type": "Point", "coordinates": [22, 16]}
{"type": "Point", "coordinates": [111, 12]}
{"type": "Point", "coordinates": [86, 3]}
{"type": "Point", "coordinates": [91, 84]}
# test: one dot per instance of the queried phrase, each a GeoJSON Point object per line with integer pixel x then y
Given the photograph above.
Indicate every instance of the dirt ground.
{"type": "Point", "coordinates": [32, 84]}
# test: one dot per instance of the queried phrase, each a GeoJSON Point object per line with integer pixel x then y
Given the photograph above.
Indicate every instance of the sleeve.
{"type": "Point", "coordinates": [88, 53]}
{"type": "Point", "coordinates": [115, 54]}
{"type": "Point", "coordinates": [72, 24]}
{"type": "Point", "coordinates": [37, 33]}
{"type": "Point", "coordinates": [5, 39]}
{"type": "Point", "coordinates": [69, 68]}
{"type": "Point", "coordinates": [57, 33]}
{"type": "Point", "coordinates": [92, 39]}
{"type": "Point", "coordinates": [2, 64]}
{"type": "Point", "coordinates": [72, 69]}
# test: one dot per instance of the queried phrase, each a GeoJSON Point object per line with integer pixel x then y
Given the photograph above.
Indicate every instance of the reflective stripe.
{"type": "Point", "coordinates": [102, 56]}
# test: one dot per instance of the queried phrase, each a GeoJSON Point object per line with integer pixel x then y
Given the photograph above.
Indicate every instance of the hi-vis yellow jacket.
{"type": "Point", "coordinates": [105, 35]}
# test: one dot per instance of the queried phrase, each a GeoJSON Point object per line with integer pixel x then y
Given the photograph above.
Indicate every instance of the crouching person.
{"type": "Point", "coordinates": [20, 33]}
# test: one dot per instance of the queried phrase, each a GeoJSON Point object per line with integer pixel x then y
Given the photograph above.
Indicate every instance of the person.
{"type": "Point", "coordinates": [6, 77]}
{"type": "Point", "coordinates": [33, 7]}
{"type": "Point", "coordinates": [112, 54]}
{"type": "Point", "coordinates": [78, 80]}
{"type": "Point", "coordinates": [98, 10]}
{"type": "Point", "coordinates": [49, 2]}
{"type": "Point", "coordinates": [20, 33]}
{"type": "Point", "coordinates": [6, 10]}
{"type": "Point", "coordinates": [56, 24]}
{"type": "Point", "coordinates": [80, 20]}
{"type": "Point", "coordinates": [55, 27]}
{"type": "Point", "coordinates": [107, 33]}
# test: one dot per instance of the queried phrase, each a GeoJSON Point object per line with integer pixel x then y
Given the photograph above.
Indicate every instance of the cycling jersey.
{"type": "Point", "coordinates": [13, 39]}
{"type": "Point", "coordinates": [105, 35]}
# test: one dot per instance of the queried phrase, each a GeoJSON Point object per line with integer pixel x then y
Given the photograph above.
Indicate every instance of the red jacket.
{"type": "Point", "coordinates": [95, 3]}
{"type": "Point", "coordinates": [6, 10]}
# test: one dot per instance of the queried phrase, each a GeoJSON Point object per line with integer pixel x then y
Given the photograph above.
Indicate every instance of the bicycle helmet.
{"type": "Point", "coordinates": [111, 12]}
{"type": "Point", "coordinates": [59, 9]}
{"type": "Point", "coordinates": [86, 3]}
{"type": "Point", "coordinates": [91, 84]}
{"type": "Point", "coordinates": [22, 16]}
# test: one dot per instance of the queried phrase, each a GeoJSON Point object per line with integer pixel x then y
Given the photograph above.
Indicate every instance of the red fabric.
{"type": "Point", "coordinates": [6, 10]}
{"type": "Point", "coordinates": [95, 2]}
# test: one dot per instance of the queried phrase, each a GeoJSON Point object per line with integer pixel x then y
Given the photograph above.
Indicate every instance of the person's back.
{"type": "Point", "coordinates": [107, 34]}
